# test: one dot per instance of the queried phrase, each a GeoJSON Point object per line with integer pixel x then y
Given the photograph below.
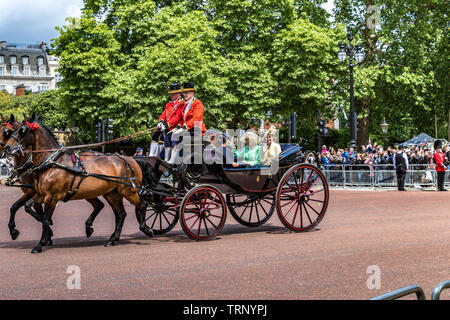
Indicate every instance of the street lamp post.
{"type": "Point", "coordinates": [357, 53]}
{"type": "Point", "coordinates": [75, 130]}
{"type": "Point", "coordinates": [384, 128]}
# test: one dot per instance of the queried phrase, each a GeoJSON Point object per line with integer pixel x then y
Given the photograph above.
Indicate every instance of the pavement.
{"type": "Point", "coordinates": [369, 243]}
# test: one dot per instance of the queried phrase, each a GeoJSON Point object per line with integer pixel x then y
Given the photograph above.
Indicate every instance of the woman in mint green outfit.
{"type": "Point", "coordinates": [250, 154]}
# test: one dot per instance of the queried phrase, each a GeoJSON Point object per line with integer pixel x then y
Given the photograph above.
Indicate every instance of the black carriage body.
{"type": "Point", "coordinates": [201, 194]}
{"type": "Point", "coordinates": [248, 180]}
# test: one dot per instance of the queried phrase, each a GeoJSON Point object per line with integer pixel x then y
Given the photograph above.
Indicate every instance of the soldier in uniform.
{"type": "Point", "coordinates": [169, 119]}
{"type": "Point", "coordinates": [401, 166]}
{"type": "Point", "coordinates": [439, 159]}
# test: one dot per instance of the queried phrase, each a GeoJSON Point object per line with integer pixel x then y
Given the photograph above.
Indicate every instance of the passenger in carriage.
{"type": "Point", "coordinates": [250, 154]}
{"type": "Point", "coordinates": [271, 149]}
{"type": "Point", "coordinates": [169, 119]}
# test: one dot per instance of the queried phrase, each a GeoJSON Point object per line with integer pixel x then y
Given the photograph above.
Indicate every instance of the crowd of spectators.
{"type": "Point", "coordinates": [367, 156]}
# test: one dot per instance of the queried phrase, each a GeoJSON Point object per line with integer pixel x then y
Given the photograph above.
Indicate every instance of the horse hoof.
{"type": "Point", "coordinates": [36, 249]}
{"type": "Point", "coordinates": [89, 231]}
{"type": "Point", "coordinates": [14, 234]}
{"type": "Point", "coordinates": [110, 243]}
{"type": "Point", "coordinates": [48, 242]}
{"type": "Point", "coordinates": [148, 232]}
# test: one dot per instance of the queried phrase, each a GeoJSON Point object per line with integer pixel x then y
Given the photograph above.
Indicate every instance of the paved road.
{"type": "Point", "coordinates": [405, 234]}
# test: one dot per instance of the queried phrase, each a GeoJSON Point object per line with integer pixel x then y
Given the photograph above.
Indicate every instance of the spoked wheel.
{"type": "Point", "coordinates": [251, 210]}
{"type": "Point", "coordinates": [302, 197]}
{"type": "Point", "coordinates": [162, 215]}
{"type": "Point", "coordinates": [203, 212]}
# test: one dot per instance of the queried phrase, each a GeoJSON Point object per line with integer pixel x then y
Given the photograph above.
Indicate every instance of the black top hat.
{"type": "Point", "coordinates": [175, 88]}
{"type": "Point", "coordinates": [438, 144]}
{"type": "Point", "coordinates": [188, 86]}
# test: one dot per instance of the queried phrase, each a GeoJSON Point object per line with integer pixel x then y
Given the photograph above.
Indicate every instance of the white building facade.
{"type": "Point", "coordinates": [30, 66]}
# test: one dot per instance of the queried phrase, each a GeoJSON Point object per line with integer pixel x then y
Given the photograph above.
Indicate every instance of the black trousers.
{"type": "Point", "coordinates": [401, 180]}
{"type": "Point", "coordinates": [440, 179]}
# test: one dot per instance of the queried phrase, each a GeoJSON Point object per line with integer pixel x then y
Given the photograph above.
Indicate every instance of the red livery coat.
{"type": "Point", "coordinates": [439, 157]}
{"type": "Point", "coordinates": [173, 113]}
{"type": "Point", "coordinates": [195, 114]}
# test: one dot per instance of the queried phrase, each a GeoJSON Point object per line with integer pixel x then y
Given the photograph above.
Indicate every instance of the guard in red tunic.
{"type": "Point", "coordinates": [169, 119]}
{"type": "Point", "coordinates": [439, 159]}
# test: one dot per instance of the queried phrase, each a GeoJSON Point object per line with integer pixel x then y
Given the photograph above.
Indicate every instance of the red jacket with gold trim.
{"type": "Point", "coordinates": [193, 115]}
{"type": "Point", "coordinates": [173, 114]}
{"type": "Point", "coordinates": [439, 157]}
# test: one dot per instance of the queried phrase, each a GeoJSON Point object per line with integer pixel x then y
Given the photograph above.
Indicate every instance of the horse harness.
{"type": "Point", "coordinates": [27, 168]}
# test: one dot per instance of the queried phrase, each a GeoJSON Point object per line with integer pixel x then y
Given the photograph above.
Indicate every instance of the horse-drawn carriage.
{"type": "Point", "coordinates": [200, 195]}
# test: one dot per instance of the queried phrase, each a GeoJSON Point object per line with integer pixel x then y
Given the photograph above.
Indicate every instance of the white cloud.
{"type": "Point", "coordinates": [31, 21]}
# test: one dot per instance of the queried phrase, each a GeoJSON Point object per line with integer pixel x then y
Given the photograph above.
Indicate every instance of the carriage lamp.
{"type": "Point", "coordinates": [357, 53]}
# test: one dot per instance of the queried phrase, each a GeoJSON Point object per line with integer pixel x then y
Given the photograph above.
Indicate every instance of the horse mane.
{"type": "Point", "coordinates": [48, 130]}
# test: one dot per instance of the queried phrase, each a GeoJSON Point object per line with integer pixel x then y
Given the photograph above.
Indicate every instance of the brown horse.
{"type": "Point", "coordinates": [8, 127]}
{"type": "Point", "coordinates": [113, 177]}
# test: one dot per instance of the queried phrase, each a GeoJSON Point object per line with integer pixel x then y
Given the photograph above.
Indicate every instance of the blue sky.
{"type": "Point", "coordinates": [33, 21]}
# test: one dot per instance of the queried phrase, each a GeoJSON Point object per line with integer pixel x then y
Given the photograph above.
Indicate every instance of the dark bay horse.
{"type": "Point", "coordinates": [112, 176]}
{"type": "Point", "coordinates": [8, 127]}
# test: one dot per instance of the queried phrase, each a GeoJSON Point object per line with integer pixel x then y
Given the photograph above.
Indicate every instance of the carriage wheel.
{"type": "Point", "coordinates": [203, 212]}
{"type": "Point", "coordinates": [302, 197]}
{"type": "Point", "coordinates": [162, 215]}
{"type": "Point", "coordinates": [251, 210]}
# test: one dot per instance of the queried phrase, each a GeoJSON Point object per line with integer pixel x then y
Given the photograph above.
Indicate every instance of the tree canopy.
{"type": "Point", "coordinates": [256, 58]}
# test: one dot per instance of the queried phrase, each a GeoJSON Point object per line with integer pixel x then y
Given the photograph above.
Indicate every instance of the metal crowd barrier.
{"type": "Point", "coordinates": [400, 293]}
{"type": "Point", "coordinates": [377, 175]}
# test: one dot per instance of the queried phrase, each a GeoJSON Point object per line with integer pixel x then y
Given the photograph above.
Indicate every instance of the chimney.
{"type": "Point", "coordinates": [20, 90]}
{"type": "Point", "coordinates": [43, 46]}
{"type": "Point", "coordinates": [3, 44]}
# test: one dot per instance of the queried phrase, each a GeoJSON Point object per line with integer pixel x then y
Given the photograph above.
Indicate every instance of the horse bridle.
{"type": "Point", "coordinates": [19, 141]}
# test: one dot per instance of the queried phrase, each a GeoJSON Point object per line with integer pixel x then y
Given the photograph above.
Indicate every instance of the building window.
{"type": "Point", "coordinates": [2, 59]}
{"type": "Point", "coordinates": [40, 61]}
{"type": "Point", "coordinates": [2, 87]}
{"type": "Point", "coordinates": [15, 71]}
{"type": "Point", "coordinates": [27, 71]}
{"type": "Point", "coordinates": [27, 88]}
{"type": "Point", "coordinates": [42, 72]}
{"type": "Point", "coordinates": [42, 88]}
{"type": "Point", "coordinates": [2, 71]}
{"type": "Point", "coordinates": [13, 59]}
{"type": "Point", "coordinates": [25, 60]}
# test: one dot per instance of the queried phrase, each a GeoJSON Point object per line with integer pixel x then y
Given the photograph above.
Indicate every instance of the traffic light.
{"type": "Point", "coordinates": [100, 131]}
{"type": "Point", "coordinates": [108, 129]}
{"type": "Point", "coordinates": [321, 129]}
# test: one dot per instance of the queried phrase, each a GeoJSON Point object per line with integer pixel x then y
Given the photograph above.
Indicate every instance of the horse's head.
{"type": "Point", "coordinates": [8, 127]}
{"type": "Point", "coordinates": [21, 137]}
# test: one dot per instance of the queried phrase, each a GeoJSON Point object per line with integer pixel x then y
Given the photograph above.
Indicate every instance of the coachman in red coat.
{"type": "Point", "coordinates": [439, 159]}
{"type": "Point", "coordinates": [169, 119]}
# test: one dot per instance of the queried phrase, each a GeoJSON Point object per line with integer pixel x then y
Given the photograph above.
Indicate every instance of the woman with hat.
{"type": "Point", "coordinates": [169, 119]}
{"type": "Point", "coordinates": [271, 149]}
{"type": "Point", "coordinates": [439, 159]}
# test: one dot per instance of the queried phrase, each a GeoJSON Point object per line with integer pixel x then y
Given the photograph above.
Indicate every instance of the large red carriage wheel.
{"type": "Point", "coordinates": [302, 197]}
{"type": "Point", "coordinates": [203, 212]}
{"type": "Point", "coordinates": [163, 216]}
{"type": "Point", "coordinates": [251, 210]}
